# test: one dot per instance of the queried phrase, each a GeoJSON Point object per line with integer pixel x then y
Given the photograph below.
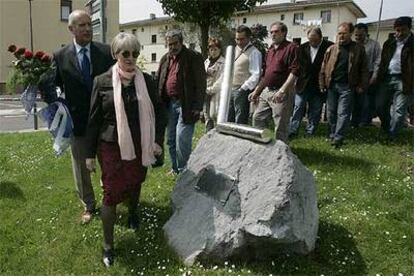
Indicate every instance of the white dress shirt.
{"type": "Point", "coordinates": [255, 67]}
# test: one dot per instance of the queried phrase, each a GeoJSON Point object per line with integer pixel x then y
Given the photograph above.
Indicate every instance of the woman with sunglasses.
{"type": "Point", "coordinates": [125, 131]}
{"type": "Point", "coordinates": [214, 66]}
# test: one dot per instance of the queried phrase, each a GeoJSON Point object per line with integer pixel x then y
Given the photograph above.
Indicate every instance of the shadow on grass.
{"type": "Point", "coordinates": [312, 156]}
{"type": "Point", "coordinates": [10, 190]}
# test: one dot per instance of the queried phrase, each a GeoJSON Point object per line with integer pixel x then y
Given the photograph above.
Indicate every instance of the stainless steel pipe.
{"type": "Point", "coordinates": [242, 131]}
{"type": "Point", "coordinates": [226, 86]}
{"type": "Point", "coordinates": [245, 131]}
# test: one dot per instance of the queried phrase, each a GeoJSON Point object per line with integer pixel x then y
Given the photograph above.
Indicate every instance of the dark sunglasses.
{"type": "Point", "coordinates": [126, 54]}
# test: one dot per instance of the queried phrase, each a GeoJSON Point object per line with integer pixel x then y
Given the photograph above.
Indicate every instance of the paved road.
{"type": "Point", "coordinates": [13, 117]}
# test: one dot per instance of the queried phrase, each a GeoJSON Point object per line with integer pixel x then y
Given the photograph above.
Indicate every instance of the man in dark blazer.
{"type": "Point", "coordinates": [311, 56]}
{"type": "Point", "coordinates": [181, 85]}
{"type": "Point", "coordinates": [77, 64]}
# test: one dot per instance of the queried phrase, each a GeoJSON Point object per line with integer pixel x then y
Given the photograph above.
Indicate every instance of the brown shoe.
{"type": "Point", "coordinates": [86, 216]}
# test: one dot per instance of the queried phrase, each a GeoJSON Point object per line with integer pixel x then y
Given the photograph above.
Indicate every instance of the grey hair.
{"type": "Point", "coordinates": [124, 41]}
{"type": "Point", "coordinates": [175, 33]}
{"type": "Point", "coordinates": [315, 30]}
{"type": "Point", "coordinates": [73, 16]}
{"type": "Point", "coordinates": [282, 26]}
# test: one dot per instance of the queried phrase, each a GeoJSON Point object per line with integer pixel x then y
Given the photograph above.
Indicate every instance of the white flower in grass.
{"type": "Point", "coordinates": [404, 237]}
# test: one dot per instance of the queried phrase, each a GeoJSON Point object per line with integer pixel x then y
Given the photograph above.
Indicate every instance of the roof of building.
{"type": "Point", "coordinates": [299, 5]}
{"type": "Point", "coordinates": [384, 24]}
{"type": "Point", "coordinates": [149, 21]}
{"type": "Point", "coordinates": [290, 6]}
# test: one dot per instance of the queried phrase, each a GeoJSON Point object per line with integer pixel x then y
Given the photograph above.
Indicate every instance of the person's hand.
{"type": "Point", "coordinates": [254, 96]}
{"type": "Point", "coordinates": [279, 96]}
{"type": "Point", "coordinates": [91, 164]}
{"type": "Point", "coordinates": [359, 90]}
{"type": "Point", "coordinates": [157, 150]}
{"type": "Point", "coordinates": [324, 90]}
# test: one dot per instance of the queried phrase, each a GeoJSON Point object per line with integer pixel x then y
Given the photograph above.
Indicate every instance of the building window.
{"type": "Point", "coordinates": [244, 20]}
{"type": "Point", "coordinates": [142, 47]}
{"type": "Point", "coordinates": [154, 57]}
{"type": "Point", "coordinates": [282, 17]}
{"type": "Point", "coordinates": [326, 38]}
{"type": "Point", "coordinates": [65, 9]}
{"type": "Point", "coordinates": [166, 27]}
{"type": "Point", "coordinates": [134, 31]}
{"type": "Point", "coordinates": [297, 18]}
{"type": "Point", "coordinates": [142, 29]}
{"type": "Point", "coordinates": [154, 39]}
{"type": "Point", "coordinates": [326, 16]}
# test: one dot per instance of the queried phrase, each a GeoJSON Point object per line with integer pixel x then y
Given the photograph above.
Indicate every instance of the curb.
{"type": "Point", "coordinates": [23, 131]}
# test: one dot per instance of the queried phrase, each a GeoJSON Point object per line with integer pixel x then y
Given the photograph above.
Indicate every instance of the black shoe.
{"type": "Point", "coordinates": [108, 257]}
{"type": "Point", "coordinates": [133, 222]}
{"type": "Point", "coordinates": [337, 143]}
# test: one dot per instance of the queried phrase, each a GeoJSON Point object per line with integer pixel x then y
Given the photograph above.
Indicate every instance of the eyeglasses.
{"type": "Point", "coordinates": [127, 54]}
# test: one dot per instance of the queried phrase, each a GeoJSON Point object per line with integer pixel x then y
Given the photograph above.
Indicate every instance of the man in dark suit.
{"type": "Point", "coordinates": [77, 64]}
{"type": "Point", "coordinates": [311, 56]}
{"type": "Point", "coordinates": [182, 85]}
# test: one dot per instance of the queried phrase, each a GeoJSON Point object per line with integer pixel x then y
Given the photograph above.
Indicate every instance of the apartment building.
{"type": "Point", "coordinates": [49, 25]}
{"type": "Point", "coordinates": [298, 16]}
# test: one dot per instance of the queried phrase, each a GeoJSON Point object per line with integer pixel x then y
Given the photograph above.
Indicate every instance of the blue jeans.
{"type": "Point", "coordinates": [339, 102]}
{"type": "Point", "coordinates": [390, 93]}
{"type": "Point", "coordinates": [239, 106]}
{"type": "Point", "coordinates": [315, 103]}
{"type": "Point", "coordinates": [180, 136]}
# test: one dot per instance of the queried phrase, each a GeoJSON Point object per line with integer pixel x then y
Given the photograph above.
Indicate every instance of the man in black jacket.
{"type": "Point", "coordinates": [77, 64]}
{"type": "Point", "coordinates": [311, 56]}
{"type": "Point", "coordinates": [181, 85]}
{"type": "Point", "coordinates": [396, 78]}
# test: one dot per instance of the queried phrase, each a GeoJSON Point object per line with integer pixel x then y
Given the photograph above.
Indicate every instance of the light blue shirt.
{"type": "Point", "coordinates": [79, 55]}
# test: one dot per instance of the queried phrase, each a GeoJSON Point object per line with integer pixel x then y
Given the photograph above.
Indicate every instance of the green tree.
{"type": "Point", "coordinates": [205, 13]}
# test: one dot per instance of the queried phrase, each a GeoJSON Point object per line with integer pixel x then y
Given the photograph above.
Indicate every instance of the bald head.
{"type": "Point", "coordinates": [80, 26]}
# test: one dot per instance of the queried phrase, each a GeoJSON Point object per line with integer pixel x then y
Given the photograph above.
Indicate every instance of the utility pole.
{"type": "Point", "coordinates": [379, 20]}
{"type": "Point", "coordinates": [31, 48]}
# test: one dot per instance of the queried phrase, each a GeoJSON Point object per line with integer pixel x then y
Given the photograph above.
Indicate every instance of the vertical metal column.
{"type": "Point", "coordinates": [226, 86]}
{"type": "Point", "coordinates": [35, 125]}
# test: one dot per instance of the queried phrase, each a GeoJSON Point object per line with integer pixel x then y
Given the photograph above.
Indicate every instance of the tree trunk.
{"type": "Point", "coordinates": [204, 39]}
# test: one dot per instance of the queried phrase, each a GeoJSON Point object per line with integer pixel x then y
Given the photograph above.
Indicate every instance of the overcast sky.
{"type": "Point", "coordinates": [132, 10]}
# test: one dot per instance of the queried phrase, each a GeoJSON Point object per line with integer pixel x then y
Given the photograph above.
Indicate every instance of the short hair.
{"type": "Point", "coordinates": [73, 16]}
{"type": "Point", "coordinates": [282, 26]}
{"type": "Point", "coordinates": [175, 33]}
{"type": "Point", "coordinates": [315, 30]}
{"type": "Point", "coordinates": [362, 26]}
{"type": "Point", "coordinates": [347, 24]}
{"type": "Point", "coordinates": [244, 29]}
{"type": "Point", "coordinates": [403, 21]}
{"type": "Point", "coordinates": [124, 41]}
{"type": "Point", "coordinates": [212, 41]}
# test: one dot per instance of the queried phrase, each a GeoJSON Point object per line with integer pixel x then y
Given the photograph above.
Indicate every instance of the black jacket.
{"type": "Point", "coordinates": [308, 71]}
{"type": "Point", "coordinates": [191, 76]}
{"type": "Point", "coordinates": [102, 118]}
{"type": "Point", "coordinates": [69, 79]}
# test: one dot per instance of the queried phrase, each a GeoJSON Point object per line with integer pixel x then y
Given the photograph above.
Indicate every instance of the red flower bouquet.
{"type": "Point", "coordinates": [28, 68]}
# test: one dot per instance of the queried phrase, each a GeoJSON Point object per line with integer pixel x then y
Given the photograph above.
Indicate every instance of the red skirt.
{"type": "Point", "coordinates": [120, 178]}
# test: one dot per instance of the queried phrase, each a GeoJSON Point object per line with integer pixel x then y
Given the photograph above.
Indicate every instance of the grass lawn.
{"type": "Point", "coordinates": [365, 193]}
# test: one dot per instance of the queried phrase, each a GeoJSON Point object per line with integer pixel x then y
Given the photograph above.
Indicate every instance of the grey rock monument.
{"type": "Point", "coordinates": [242, 200]}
